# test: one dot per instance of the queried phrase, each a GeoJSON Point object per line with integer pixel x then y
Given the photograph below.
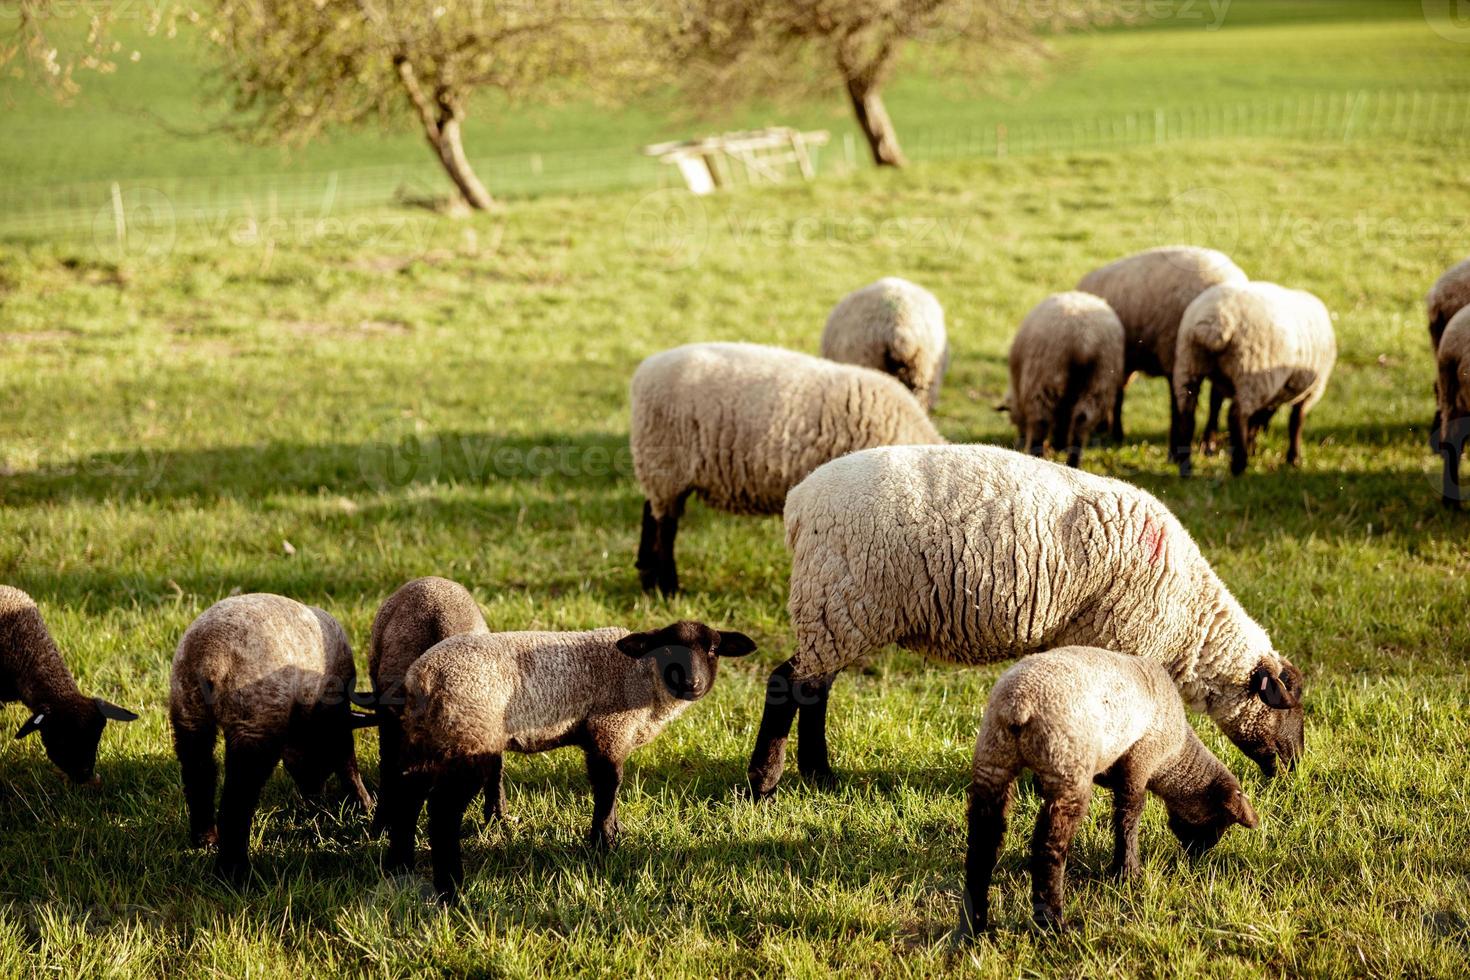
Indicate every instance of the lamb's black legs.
{"type": "Point", "coordinates": [1117, 430]}
{"type": "Point", "coordinates": [656, 565]}
{"type": "Point", "coordinates": [1450, 448]}
{"type": "Point", "coordinates": [1294, 436]}
{"type": "Point", "coordinates": [813, 758]}
{"type": "Point", "coordinates": [605, 774]}
{"type": "Point", "coordinates": [783, 701]}
{"type": "Point", "coordinates": [1239, 441]}
{"type": "Point", "coordinates": [1128, 800]}
{"type": "Point", "coordinates": [195, 749]}
{"type": "Point", "coordinates": [987, 816]}
{"type": "Point", "coordinates": [647, 563]}
{"type": "Point", "coordinates": [451, 794]}
{"type": "Point", "coordinates": [1055, 827]}
{"type": "Point", "coordinates": [390, 767]}
{"type": "Point", "coordinates": [1181, 426]}
{"type": "Point", "coordinates": [352, 786]}
{"type": "Point", "coordinates": [404, 807]}
{"type": "Point", "coordinates": [1207, 443]}
{"type": "Point", "coordinates": [248, 764]}
{"type": "Point", "coordinates": [494, 789]}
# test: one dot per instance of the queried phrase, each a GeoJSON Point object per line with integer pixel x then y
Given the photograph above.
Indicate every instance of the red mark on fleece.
{"type": "Point", "coordinates": [1151, 540]}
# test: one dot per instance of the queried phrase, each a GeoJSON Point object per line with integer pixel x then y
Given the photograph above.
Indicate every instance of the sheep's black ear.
{"type": "Point", "coordinates": [1269, 688]}
{"type": "Point", "coordinates": [733, 644]}
{"type": "Point", "coordinates": [33, 724]}
{"type": "Point", "coordinates": [1240, 808]}
{"type": "Point", "coordinates": [639, 644]}
{"type": "Point", "coordinates": [112, 712]}
{"type": "Point", "coordinates": [363, 699]}
{"type": "Point", "coordinates": [361, 719]}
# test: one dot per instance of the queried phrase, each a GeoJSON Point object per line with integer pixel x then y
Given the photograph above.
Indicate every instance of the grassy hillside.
{"type": "Point", "coordinates": [403, 396]}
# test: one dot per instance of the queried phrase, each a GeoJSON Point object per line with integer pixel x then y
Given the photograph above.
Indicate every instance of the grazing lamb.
{"type": "Point", "coordinates": [277, 677]}
{"type": "Point", "coordinates": [1261, 345]}
{"type": "Point", "coordinates": [976, 554]}
{"type": "Point", "coordinates": [1453, 391]}
{"type": "Point", "coordinates": [1150, 291]}
{"type": "Point", "coordinates": [1066, 369]}
{"type": "Point", "coordinates": [1076, 716]}
{"type": "Point", "coordinates": [893, 326]}
{"type": "Point", "coordinates": [33, 673]}
{"type": "Point", "coordinates": [742, 424]}
{"type": "Point", "coordinates": [1448, 296]}
{"type": "Point", "coordinates": [420, 614]}
{"type": "Point", "coordinates": [473, 698]}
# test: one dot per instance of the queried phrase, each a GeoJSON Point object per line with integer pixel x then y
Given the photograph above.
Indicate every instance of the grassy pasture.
{"type": "Point", "coordinates": [396, 395]}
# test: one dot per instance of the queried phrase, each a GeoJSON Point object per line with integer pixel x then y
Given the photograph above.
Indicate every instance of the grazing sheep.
{"type": "Point", "coordinates": [1448, 296]}
{"type": "Point", "coordinates": [1453, 391]}
{"type": "Point", "coordinates": [893, 326]}
{"type": "Point", "coordinates": [1066, 369]}
{"type": "Point", "coordinates": [420, 614]}
{"type": "Point", "coordinates": [742, 424]}
{"type": "Point", "coordinates": [1076, 716]}
{"type": "Point", "coordinates": [1261, 345]}
{"type": "Point", "coordinates": [474, 697]}
{"type": "Point", "coordinates": [1150, 291]}
{"type": "Point", "coordinates": [33, 673]}
{"type": "Point", "coordinates": [976, 554]}
{"type": "Point", "coordinates": [277, 677]}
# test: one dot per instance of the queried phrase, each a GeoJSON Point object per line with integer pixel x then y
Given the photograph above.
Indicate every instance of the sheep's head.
{"type": "Point", "coordinates": [1265, 718]}
{"type": "Point", "coordinates": [71, 731]}
{"type": "Point", "coordinates": [1201, 820]}
{"type": "Point", "coordinates": [686, 655]}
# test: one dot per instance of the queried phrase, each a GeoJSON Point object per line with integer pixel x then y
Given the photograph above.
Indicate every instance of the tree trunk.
{"type": "Point", "coordinates": [451, 153]}
{"type": "Point", "coordinates": [872, 116]}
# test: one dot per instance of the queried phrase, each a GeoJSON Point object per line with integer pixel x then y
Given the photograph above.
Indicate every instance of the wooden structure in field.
{"type": "Point", "coordinates": [759, 156]}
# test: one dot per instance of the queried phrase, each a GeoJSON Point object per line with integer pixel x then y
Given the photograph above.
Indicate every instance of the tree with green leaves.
{"type": "Point", "coordinates": [298, 68]}
{"type": "Point", "coordinates": [50, 42]}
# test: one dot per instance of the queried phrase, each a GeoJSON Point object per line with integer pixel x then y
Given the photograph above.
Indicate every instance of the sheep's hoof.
{"type": "Point", "coordinates": [233, 871]}
{"type": "Point", "coordinates": [1050, 920]}
{"type": "Point", "coordinates": [204, 838]}
{"type": "Point", "coordinates": [1208, 447]}
{"type": "Point", "coordinates": [1124, 872]}
{"type": "Point", "coordinates": [1450, 504]}
{"type": "Point", "coordinates": [754, 792]}
{"type": "Point", "coordinates": [823, 779]}
{"type": "Point", "coordinates": [1186, 469]}
{"type": "Point", "coordinates": [605, 838]}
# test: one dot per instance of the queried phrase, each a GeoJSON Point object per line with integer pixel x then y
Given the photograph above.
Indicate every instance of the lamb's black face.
{"type": "Point", "coordinates": [71, 739]}
{"type": "Point", "coordinates": [686, 655]}
{"type": "Point", "coordinates": [1200, 823]}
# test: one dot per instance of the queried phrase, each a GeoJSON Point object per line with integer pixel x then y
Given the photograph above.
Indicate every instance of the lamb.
{"type": "Point", "coordinates": [742, 424]}
{"type": "Point", "coordinates": [1066, 370]}
{"type": "Point", "coordinates": [893, 326]}
{"type": "Point", "coordinates": [1263, 346]}
{"type": "Point", "coordinates": [416, 617]}
{"type": "Point", "coordinates": [1449, 294]}
{"type": "Point", "coordinates": [33, 673]}
{"type": "Point", "coordinates": [1149, 291]}
{"type": "Point", "coordinates": [277, 677]}
{"type": "Point", "coordinates": [1075, 716]}
{"type": "Point", "coordinates": [474, 697]}
{"type": "Point", "coordinates": [977, 554]}
{"type": "Point", "coordinates": [1453, 396]}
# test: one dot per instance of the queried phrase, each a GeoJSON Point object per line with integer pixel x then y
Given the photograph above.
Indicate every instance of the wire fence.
{"type": "Point", "coordinates": [103, 209]}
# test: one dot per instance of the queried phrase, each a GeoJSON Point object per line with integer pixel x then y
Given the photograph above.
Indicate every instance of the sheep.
{"type": "Point", "coordinates": [1073, 716]}
{"type": "Point", "coordinates": [741, 424]}
{"type": "Point", "coordinates": [416, 617]}
{"type": "Point", "coordinates": [1449, 294]}
{"type": "Point", "coordinates": [1066, 368]}
{"type": "Point", "coordinates": [1453, 396]}
{"type": "Point", "coordinates": [976, 554]}
{"type": "Point", "coordinates": [894, 326]}
{"type": "Point", "coordinates": [277, 677]}
{"type": "Point", "coordinates": [1149, 291]}
{"type": "Point", "coordinates": [1261, 345]}
{"type": "Point", "coordinates": [474, 697]}
{"type": "Point", "coordinates": [33, 673]}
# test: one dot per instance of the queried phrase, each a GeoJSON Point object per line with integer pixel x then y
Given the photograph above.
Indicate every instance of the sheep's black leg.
{"type": "Point", "coordinates": [1129, 795]}
{"type": "Point", "coordinates": [1181, 425]}
{"type": "Point", "coordinates": [1080, 432]}
{"type": "Point", "coordinates": [1255, 425]}
{"type": "Point", "coordinates": [248, 764]}
{"type": "Point", "coordinates": [1036, 437]}
{"type": "Point", "coordinates": [494, 788]}
{"type": "Point", "coordinates": [769, 756]}
{"type": "Point", "coordinates": [1208, 443]}
{"type": "Point", "coordinates": [1117, 428]}
{"type": "Point", "coordinates": [350, 777]}
{"type": "Point", "coordinates": [195, 749]}
{"type": "Point", "coordinates": [1450, 448]}
{"type": "Point", "coordinates": [1294, 436]}
{"type": "Point", "coordinates": [666, 531]}
{"type": "Point", "coordinates": [404, 807]}
{"type": "Point", "coordinates": [451, 794]}
{"type": "Point", "coordinates": [605, 774]}
{"type": "Point", "coordinates": [1055, 827]}
{"type": "Point", "coordinates": [1239, 445]}
{"type": "Point", "coordinates": [390, 768]}
{"type": "Point", "coordinates": [648, 556]}
{"type": "Point", "coordinates": [813, 760]}
{"type": "Point", "coordinates": [987, 815]}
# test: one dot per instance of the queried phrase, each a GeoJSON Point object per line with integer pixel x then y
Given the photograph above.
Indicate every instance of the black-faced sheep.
{"type": "Point", "coordinates": [416, 617]}
{"type": "Point", "coordinates": [474, 697]}
{"type": "Point", "coordinates": [1150, 291]}
{"type": "Point", "coordinates": [1261, 345]}
{"type": "Point", "coordinates": [741, 424]}
{"type": "Point", "coordinates": [1449, 295]}
{"type": "Point", "coordinates": [1066, 368]}
{"type": "Point", "coordinates": [276, 677]}
{"type": "Point", "coordinates": [893, 326]}
{"type": "Point", "coordinates": [33, 673]}
{"type": "Point", "coordinates": [1453, 393]}
{"type": "Point", "coordinates": [1075, 716]}
{"type": "Point", "coordinates": [976, 554]}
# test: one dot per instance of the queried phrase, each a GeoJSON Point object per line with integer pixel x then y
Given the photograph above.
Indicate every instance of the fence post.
{"type": "Point", "coordinates": [119, 219]}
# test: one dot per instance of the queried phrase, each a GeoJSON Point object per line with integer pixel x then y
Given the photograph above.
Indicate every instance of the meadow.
{"type": "Point", "coordinates": [327, 408]}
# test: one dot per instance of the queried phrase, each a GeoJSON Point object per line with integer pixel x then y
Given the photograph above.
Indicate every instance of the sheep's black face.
{"type": "Point", "coordinates": [1269, 724]}
{"type": "Point", "coordinates": [686, 655]}
{"type": "Point", "coordinates": [71, 737]}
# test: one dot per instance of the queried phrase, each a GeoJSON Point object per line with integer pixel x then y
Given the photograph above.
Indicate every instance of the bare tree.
{"type": "Point", "coordinates": [295, 68]}
{"type": "Point", "coordinates": [768, 46]}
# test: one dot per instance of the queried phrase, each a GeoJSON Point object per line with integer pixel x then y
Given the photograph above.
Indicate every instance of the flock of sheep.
{"type": "Point", "coordinates": [971, 554]}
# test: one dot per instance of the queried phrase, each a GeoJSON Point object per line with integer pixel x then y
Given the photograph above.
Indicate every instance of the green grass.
{"type": "Point", "coordinates": [408, 395]}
